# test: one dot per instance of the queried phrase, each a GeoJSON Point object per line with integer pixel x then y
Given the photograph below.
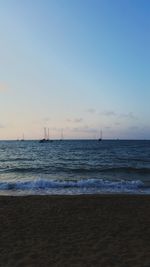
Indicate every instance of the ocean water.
{"type": "Point", "coordinates": [74, 167]}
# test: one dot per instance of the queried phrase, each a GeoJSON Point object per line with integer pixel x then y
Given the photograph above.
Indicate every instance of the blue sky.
{"type": "Point", "coordinates": [80, 65]}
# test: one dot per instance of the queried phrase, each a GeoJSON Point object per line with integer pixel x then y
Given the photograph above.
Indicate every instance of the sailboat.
{"type": "Point", "coordinates": [46, 136]}
{"type": "Point", "coordinates": [22, 138]}
{"type": "Point", "coordinates": [101, 136]}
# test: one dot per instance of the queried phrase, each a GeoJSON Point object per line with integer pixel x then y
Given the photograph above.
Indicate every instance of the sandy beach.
{"type": "Point", "coordinates": [107, 230]}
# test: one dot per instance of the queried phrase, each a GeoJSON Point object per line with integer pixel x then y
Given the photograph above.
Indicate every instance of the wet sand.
{"type": "Point", "coordinates": [105, 231]}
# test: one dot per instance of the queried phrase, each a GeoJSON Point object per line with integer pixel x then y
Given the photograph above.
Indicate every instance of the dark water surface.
{"type": "Point", "coordinates": [74, 167]}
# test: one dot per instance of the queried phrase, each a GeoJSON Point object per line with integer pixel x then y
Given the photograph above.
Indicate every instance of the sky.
{"type": "Point", "coordinates": [77, 65]}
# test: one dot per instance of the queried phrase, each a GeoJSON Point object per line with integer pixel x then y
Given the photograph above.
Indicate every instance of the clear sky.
{"type": "Point", "coordinates": [80, 65]}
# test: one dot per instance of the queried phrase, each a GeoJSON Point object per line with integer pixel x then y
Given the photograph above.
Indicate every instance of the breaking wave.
{"type": "Point", "coordinates": [72, 187]}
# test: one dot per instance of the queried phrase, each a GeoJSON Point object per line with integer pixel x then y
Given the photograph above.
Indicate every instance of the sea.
{"type": "Point", "coordinates": [74, 167]}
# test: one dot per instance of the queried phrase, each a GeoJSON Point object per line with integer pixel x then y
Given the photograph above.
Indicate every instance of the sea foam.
{"type": "Point", "coordinates": [72, 187]}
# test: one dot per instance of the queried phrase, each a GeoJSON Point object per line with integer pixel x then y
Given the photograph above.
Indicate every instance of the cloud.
{"type": "Point", "coordinates": [46, 119]}
{"type": "Point", "coordinates": [108, 113]}
{"type": "Point", "coordinates": [80, 129]}
{"type": "Point", "coordinates": [91, 110]}
{"type": "Point", "coordinates": [84, 129]}
{"type": "Point", "coordinates": [68, 120]}
{"type": "Point", "coordinates": [77, 120]}
{"type": "Point", "coordinates": [41, 120]}
{"type": "Point", "coordinates": [107, 127]}
{"type": "Point", "coordinates": [129, 115]}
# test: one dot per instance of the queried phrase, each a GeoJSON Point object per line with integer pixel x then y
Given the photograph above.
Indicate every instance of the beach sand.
{"type": "Point", "coordinates": [107, 230]}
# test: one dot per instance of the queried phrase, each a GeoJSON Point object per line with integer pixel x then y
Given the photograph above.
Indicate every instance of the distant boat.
{"type": "Point", "coordinates": [101, 136]}
{"type": "Point", "coordinates": [46, 136]}
{"type": "Point", "coordinates": [43, 140]}
{"type": "Point", "coordinates": [22, 140]}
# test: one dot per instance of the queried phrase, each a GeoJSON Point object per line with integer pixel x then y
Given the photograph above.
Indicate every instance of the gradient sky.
{"type": "Point", "coordinates": [80, 65]}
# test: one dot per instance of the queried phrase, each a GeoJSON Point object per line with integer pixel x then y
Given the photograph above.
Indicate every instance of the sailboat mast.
{"type": "Point", "coordinates": [48, 133]}
{"type": "Point", "coordinates": [45, 133]}
{"type": "Point", "coordinates": [62, 136]}
{"type": "Point", "coordinates": [101, 134]}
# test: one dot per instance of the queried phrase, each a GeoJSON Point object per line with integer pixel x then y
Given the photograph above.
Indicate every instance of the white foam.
{"type": "Point", "coordinates": [72, 187]}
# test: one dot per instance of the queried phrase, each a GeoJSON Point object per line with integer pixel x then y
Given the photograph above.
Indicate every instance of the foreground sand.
{"type": "Point", "coordinates": [75, 231]}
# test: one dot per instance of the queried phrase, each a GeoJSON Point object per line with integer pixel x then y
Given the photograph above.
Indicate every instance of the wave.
{"type": "Point", "coordinates": [16, 159]}
{"type": "Point", "coordinates": [86, 169]}
{"type": "Point", "coordinates": [26, 170]}
{"type": "Point", "coordinates": [82, 186]}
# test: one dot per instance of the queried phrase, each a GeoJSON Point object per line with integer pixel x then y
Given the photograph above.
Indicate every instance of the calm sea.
{"type": "Point", "coordinates": [74, 167]}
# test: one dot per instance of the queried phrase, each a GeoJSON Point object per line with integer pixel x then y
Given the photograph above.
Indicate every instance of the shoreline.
{"type": "Point", "coordinates": [78, 196]}
{"type": "Point", "coordinates": [108, 230]}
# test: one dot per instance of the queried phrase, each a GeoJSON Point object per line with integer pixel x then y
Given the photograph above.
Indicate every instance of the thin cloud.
{"type": "Point", "coordinates": [108, 113]}
{"type": "Point", "coordinates": [46, 119]}
{"type": "Point", "coordinates": [107, 127]}
{"type": "Point", "coordinates": [91, 110]}
{"type": "Point", "coordinates": [84, 129]}
{"type": "Point", "coordinates": [41, 120]}
{"type": "Point", "coordinates": [77, 120]}
{"type": "Point", "coordinates": [129, 115]}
